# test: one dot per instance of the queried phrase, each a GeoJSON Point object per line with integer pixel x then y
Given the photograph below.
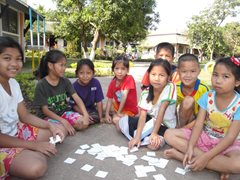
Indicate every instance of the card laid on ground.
{"type": "Point", "coordinates": [134, 149]}
{"type": "Point", "coordinates": [151, 153]}
{"type": "Point", "coordinates": [101, 174]}
{"type": "Point", "coordinates": [140, 174]}
{"type": "Point", "coordinates": [84, 146]}
{"type": "Point", "coordinates": [79, 151]}
{"type": "Point", "coordinates": [159, 177]}
{"type": "Point", "coordinates": [87, 167]}
{"type": "Point", "coordinates": [181, 171]}
{"type": "Point", "coordinates": [69, 160]}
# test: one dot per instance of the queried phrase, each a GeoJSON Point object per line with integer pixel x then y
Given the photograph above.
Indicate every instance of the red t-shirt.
{"type": "Point", "coordinates": [115, 92]}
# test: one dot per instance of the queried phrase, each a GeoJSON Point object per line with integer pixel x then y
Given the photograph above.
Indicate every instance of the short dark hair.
{"type": "Point", "coordinates": [122, 59]}
{"type": "Point", "coordinates": [187, 57]}
{"type": "Point", "coordinates": [7, 42]}
{"type": "Point", "coordinates": [82, 62]}
{"type": "Point", "coordinates": [167, 46]}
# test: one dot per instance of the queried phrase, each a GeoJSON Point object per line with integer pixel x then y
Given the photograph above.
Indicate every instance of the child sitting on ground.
{"type": "Point", "coordinates": [122, 94]}
{"type": "Point", "coordinates": [157, 109]}
{"type": "Point", "coordinates": [89, 90]}
{"type": "Point", "coordinates": [53, 91]}
{"type": "Point", "coordinates": [189, 89]}
{"type": "Point", "coordinates": [214, 141]}
{"type": "Point", "coordinates": [24, 138]}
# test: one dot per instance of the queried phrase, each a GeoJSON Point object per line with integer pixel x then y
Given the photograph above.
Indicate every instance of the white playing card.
{"type": "Point", "coordinates": [101, 174]}
{"type": "Point", "coordinates": [180, 171]}
{"type": "Point", "coordinates": [69, 160]}
{"type": "Point", "coordinates": [79, 151]}
{"type": "Point", "coordinates": [84, 146]}
{"type": "Point", "coordinates": [87, 167]}
{"type": "Point", "coordinates": [151, 153]}
{"type": "Point", "coordinates": [159, 177]}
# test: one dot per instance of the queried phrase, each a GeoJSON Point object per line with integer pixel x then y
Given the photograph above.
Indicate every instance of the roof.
{"type": "Point", "coordinates": [20, 5]}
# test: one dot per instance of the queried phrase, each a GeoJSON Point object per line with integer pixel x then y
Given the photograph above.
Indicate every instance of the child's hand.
{"type": "Point", "coordinates": [46, 148]}
{"type": "Point", "coordinates": [134, 142]}
{"type": "Point", "coordinates": [155, 140]}
{"type": "Point", "coordinates": [71, 131]}
{"type": "Point", "coordinates": [188, 157]}
{"type": "Point", "coordinates": [108, 119]}
{"type": "Point", "coordinates": [55, 129]}
{"type": "Point", "coordinates": [199, 162]}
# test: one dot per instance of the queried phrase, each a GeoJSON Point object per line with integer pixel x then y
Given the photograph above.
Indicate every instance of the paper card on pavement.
{"type": "Point", "coordinates": [87, 167]}
{"type": "Point", "coordinates": [159, 177]}
{"type": "Point", "coordinates": [151, 153]}
{"type": "Point", "coordinates": [134, 149]}
{"type": "Point", "coordinates": [84, 146]}
{"type": "Point", "coordinates": [79, 151]}
{"type": "Point", "coordinates": [140, 174]}
{"type": "Point", "coordinates": [148, 169]}
{"type": "Point", "coordinates": [69, 160]}
{"type": "Point", "coordinates": [180, 171]}
{"type": "Point", "coordinates": [101, 174]}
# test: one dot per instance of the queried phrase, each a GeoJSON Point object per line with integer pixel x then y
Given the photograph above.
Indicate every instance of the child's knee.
{"type": "Point", "coordinates": [80, 125]}
{"type": "Point", "coordinates": [38, 169]}
{"type": "Point", "coordinates": [188, 103]}
{"type": "Point", "coordinates": [169, 135]}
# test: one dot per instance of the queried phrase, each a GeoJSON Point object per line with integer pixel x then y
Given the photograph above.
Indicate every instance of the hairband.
{"type": "Point", "coordinates": [235, 60]}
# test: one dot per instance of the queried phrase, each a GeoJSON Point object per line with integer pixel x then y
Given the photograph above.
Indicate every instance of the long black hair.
{"type": "Point", "coordinates": [52, 56]}
{"type": "Point", "coordinates": [158, 62]}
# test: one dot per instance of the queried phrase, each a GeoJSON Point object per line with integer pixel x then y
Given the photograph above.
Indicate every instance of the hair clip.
{"type": "Point", "coordinates": [235, 60]}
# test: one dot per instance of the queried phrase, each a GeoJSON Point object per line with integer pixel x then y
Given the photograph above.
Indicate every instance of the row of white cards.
{"type": "Point", "coordinates": [121, 154]}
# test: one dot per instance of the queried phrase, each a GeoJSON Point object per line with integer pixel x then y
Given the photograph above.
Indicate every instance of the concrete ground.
{"type": "Point", "coordinates": [106, 134]}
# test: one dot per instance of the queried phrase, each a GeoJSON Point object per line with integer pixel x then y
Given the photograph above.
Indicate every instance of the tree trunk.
{"type": "Point", "coordinates": [94, 44]}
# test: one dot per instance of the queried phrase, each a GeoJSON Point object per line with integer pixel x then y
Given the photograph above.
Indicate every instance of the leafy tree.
{"type": "Point", "coordinates": [204, 29]}
{"type": "Point", "coordinates": [123, 21]}
{"type": "Point", "coordinates": [231, 34]}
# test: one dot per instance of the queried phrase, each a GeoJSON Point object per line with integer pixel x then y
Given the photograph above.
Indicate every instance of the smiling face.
{"type": "Point", "coordinates": [188, 72]}
{"type": "Point", "coordinates": [11, 63]}
{"type": "Point", "coordinates": [223, 80]}
{"type": "Point", "coordinates": [120, 71]}
{"type": "Point", "coordinates": [158, 77]}
{"type": "Point", "coordinates": [85, 75]}
{"type": "Point", "coordinates": [58, 69]}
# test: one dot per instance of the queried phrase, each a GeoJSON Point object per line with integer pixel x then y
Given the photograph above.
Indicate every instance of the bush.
{"type": "Point", "coordinates": [27, 83]}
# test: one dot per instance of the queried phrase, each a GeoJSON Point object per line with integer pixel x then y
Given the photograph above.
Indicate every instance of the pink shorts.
{"type": "Point", "coordinates": [206, 143]}
{"type": "Point", "coordinates": [25, 132]}
{"type": "Point", "coordinates": [70, 116]}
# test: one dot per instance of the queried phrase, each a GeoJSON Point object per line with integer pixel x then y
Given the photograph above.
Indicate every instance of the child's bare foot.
{"type": "Point", "coordinates": [224, 176]}
{"type": "Point", "coordinates": [173, 154]}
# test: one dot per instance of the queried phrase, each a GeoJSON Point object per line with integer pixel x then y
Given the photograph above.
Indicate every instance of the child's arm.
{"type": "Point", "coordinates": [28, 118]}
{"type": "Point", "coordinates": [154, 138]}
{"type": "Point", "coordinates": [123, 101]}
{"type": "Point", "coordinates": [202, 161]}
{"type": "Point", "coordinates": [100, 110]}
{"type": "Point", "coordinates": [108, 108]}
{"type": "Point", "coordinates": [141, 122]}
{"type": "Point", "coordinates": [82, 107]}
{"type": "Point", "coordinates": [46, 148]}
{"type": "Point", "coordinates": [52, 115]}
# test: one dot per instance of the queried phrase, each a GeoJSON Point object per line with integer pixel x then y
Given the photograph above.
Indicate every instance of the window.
{"type": "Point", "coordinates": [9, 20]}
